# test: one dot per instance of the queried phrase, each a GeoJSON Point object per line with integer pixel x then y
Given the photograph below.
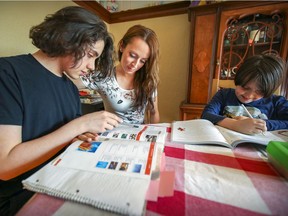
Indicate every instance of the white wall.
{"type": "Point", "coordinates": [16, 19]}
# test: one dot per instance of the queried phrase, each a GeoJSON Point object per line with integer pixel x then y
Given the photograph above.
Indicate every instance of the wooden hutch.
{"type": "Point", "coordinates": [222, 36]}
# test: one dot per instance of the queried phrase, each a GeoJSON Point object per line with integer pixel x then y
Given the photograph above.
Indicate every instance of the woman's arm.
{"type": "Point", "coordinates": [154, 116]}
{"type": "Point", "coordinates": [79, 83]}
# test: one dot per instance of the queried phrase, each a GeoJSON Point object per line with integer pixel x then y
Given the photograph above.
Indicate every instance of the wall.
{"type": "Point", "coordinates": [16, 19]}
{"type": "Point", "coordinates": [173, 32]}
{"type": "Point", "coordinates": [173, 35]}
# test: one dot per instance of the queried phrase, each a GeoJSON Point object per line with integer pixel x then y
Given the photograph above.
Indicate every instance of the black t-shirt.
{"type": "Point", "coordinates": [36, 99]}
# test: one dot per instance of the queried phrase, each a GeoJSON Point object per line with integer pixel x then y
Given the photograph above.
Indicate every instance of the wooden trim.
{"type": "Point", "coordinates": [192, 18]}
{"type": "Point", "coordinates": [175, 8]}
{"type": "Point", "coordinates": [169, 9]}
{"type": "Point", "coordinates": [96, 8]}
{"type": "Point", "coordinates": [231, 5]}
{"type": "Point", "coordinates": [214, 51]}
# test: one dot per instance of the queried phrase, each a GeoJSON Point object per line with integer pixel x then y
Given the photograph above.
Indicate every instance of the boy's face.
{"type": "Point", "coordinates": [248, 93]}
{"type": "Point", "coordinates": [86, 64]}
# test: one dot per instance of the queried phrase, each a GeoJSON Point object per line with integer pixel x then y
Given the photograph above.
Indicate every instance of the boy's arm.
{"type": "Point", "coordinates": [244, 125]}
{"type": "Point", "coordinates": [17, 157]}
{"type": "Point", "coordinates": [212, 110]}
{"type": "Point", "coordinates": [279, 118]}
{"type": "Point", "coordinates": [214, 113]}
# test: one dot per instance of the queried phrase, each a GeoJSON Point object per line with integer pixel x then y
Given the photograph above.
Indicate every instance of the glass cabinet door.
{"type": "Point", "coordinates": [248, 36]}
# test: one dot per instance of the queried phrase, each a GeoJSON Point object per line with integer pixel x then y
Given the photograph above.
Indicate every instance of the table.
{"type": "Point", "coordinates": [209, 180]}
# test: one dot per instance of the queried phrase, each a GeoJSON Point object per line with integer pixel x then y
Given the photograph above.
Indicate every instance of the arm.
{"type": "Point", "coordinates": [214, 113]}
{"type": "Point", "coordinates": [17, 157]}
{"type": "Point", "coordinates": [154, 116]}
{"type": "Point", "coordinates": [79, 83]}
{"type": "Point", "coordinates": [244, 125]}
{"type": "Point", "coordinates": [85, 81]}
{"type": "Point", "coordinates": [278, 118]}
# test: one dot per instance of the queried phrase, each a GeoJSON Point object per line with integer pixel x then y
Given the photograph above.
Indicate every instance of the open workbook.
{"type": "Point", "coordinates": [112, 173]}
{"type": "Point", "coordinates": [201, 131]}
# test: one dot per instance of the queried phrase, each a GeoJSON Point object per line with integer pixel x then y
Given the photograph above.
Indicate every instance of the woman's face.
{"type": "Point", "coordinates": [134, 55]}
{"type": "Point", "coordinates": [248, 93]}
{"type": "Point", "coordinates": [86, 64]}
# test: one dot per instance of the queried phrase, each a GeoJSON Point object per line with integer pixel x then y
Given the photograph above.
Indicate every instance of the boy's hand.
{"type": "Point", "coordinates": [244, 125]}
{"type": "Point", "coordinates": [87, 137]}
{"type": "Point", "coordinates": [250, 126]}
{"type": "Point", "coordinates": [99, 122]}
{"type": "Point", "coordinates": [240, 117]}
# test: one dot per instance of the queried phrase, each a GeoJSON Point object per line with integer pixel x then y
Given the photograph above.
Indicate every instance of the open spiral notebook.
{"type": "Point", "coordinates": [110, 174]}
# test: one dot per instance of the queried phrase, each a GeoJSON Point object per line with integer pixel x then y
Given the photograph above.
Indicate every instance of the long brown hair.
{"type": "Point", "coordinates": [147, 78]}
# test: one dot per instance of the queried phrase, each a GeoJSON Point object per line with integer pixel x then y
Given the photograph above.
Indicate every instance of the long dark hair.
{"type": "Point", "coordinates": [70, 31]}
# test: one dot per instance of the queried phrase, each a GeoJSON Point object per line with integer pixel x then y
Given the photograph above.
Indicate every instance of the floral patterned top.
{"type": "Point", "coordinates": [116, 99]}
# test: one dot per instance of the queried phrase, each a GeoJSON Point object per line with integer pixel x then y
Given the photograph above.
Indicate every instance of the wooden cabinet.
{"type": "Point", "coordinates": [219, 45]}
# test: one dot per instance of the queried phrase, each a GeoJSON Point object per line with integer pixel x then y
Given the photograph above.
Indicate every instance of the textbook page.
{"type": "Point", "coordinates": [137, 132]}
{"type": "Point", "coordinates": [201, 131]}
{"type": "Point", "coordinates": [236, 138]}
{"type": "Point", "coordinates": [197, 131]}
{"type": "Point", "coordinates": [112, 175]}
{"type": "Point", "coordinates": [110, 156]}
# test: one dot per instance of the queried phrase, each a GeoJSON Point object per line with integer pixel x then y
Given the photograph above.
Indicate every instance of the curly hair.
{"type": "Point", "coordinates": [147, 78]}
{"type": "Point", "coordinates": [266, 70]}
{"type": "Point", "coordinates": [70, 31]}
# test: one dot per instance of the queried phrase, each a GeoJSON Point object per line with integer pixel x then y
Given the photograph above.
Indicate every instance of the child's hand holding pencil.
{"type": "Point", "coordinates": [250, 116]}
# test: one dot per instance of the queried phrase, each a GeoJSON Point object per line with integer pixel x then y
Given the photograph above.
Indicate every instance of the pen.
{"type": "Point", "coordinates": [248, 113]}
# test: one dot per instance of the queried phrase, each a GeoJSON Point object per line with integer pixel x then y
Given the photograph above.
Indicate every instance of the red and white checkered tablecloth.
{"type": "Point", "coordinates": [213, 180]}
{"type": "Point", "coordinates": [209, 180]}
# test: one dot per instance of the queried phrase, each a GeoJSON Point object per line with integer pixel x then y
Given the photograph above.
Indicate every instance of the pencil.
{"type": "Point", "coordinates": [248, 113]}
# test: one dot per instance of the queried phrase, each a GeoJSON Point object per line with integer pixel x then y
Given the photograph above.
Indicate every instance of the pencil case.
{"type": "Point", "coordinates": [278, 156]}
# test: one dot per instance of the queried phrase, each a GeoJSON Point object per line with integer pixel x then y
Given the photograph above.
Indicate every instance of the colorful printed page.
{"type": "Point", "coordinates": [137, 132]}
{"type": "Point", "coordinates": [112, 174]}
{"type": "Point", "coordinates": [110, 156]}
